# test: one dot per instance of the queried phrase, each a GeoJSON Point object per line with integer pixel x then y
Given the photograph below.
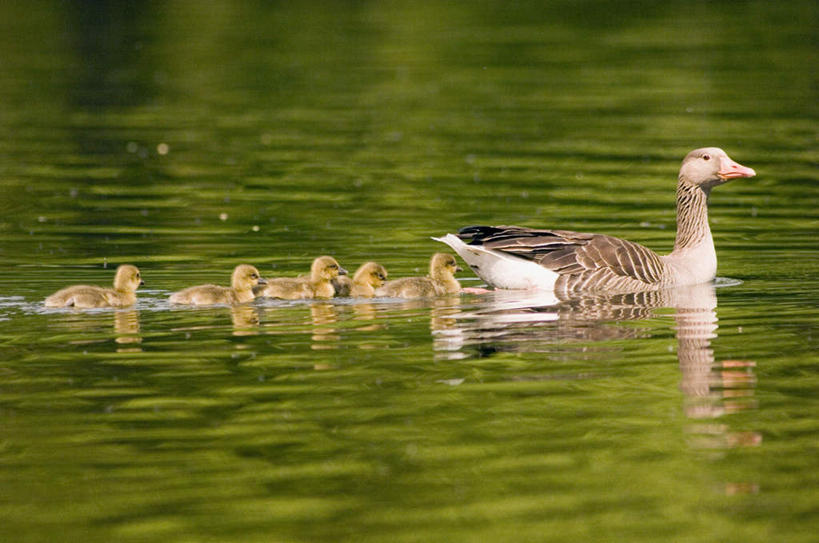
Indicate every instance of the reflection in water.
{"type": "Point", "coordinates": [95, 326]}
{"type": "Point", "coordinates": [126, 328]}
{"type": "Point", "coordinates": [537, 322]}
{"type": "Point", "coordinates": [367, 312]}
{"type": "Point", "coordinates": [245, 320]}
{"type": "Point", "coordinates": [325, 335]}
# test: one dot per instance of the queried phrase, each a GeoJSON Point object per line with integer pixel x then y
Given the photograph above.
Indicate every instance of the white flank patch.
{"type": "Point", "coordinates": [502, 270]}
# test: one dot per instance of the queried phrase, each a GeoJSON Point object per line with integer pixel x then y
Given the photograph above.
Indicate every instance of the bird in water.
{"type": "Point", "coordinates": [319, 284]}
{"type": "Point", "coordinates": [514, 257]}
{"type": "Point", "coordinates": [126, 281]}
{"type": "Point", "coordinates": [368, 277]}
{"type": "Point", "coordinates": [240, 291]}
{"type": "Point", "coordinates": [440, 281]}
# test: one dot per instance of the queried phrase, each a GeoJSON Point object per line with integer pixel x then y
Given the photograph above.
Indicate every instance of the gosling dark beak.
{"type": "Point", "coordinates": [141, 283]}
{"type": "Point", "coordinates": [342, 271]}
{"type": "Point", "coordinates": [261, 281]}
{"type": "Point", "coordinates": [458, 268]}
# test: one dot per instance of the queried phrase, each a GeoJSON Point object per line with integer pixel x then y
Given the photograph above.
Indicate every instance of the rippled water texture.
{"type": "Point", "coordinates": [188, 137]}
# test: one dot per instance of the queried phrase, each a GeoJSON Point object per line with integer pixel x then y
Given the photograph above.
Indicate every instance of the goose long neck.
{"type": "Point", "coordinates": [692, 216]}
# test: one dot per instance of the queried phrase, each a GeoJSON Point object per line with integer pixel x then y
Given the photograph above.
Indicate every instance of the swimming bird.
{"type": "Point", "coordinates": [240, 291]}
{"type": "Point", "coordinates": [440, 281]}
{"type": "Point", "coordinates": [368, 277]}
{"type": "Point", "coordinates": [318, 285]}
{"type": "Point", "coordinates": [126, 282]}
{"type": "Point", "coordinates": [514, 257]}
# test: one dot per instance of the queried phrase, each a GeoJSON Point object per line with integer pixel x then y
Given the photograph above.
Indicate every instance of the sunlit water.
{"type": "Point", "coordinates": [187, 139]}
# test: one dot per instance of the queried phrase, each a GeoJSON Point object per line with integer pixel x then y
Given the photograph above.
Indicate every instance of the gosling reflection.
{"type": "Point", "coordinates": [447, 339]}
{"type": "Point", "coordinates": [510, 321]}
{"type": "Point", "coordinates": [126, 330]}
{"type": "Point", "coordinates": [367, 312]}
{"type": "Point", "coordinates": [96, 328]}
{"type": "Point", "coordinates": [245, 319]}
{"type": "Point", "coordinates": [325, 334]}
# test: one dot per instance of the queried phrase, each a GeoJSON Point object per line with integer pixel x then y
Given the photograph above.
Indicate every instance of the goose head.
{"type": "Point", "coordinates": [326, 268]}
{"type": "Point", "coordinates": [709, 167]}
{"type": "Point", "coordinates": [371, 274]}
{"type": "Point", "coordinates": [443, 265]}
{"type": "Point", "coordinates": [128, 278]}
{"type": "Point", "coordinates": [245, 277]}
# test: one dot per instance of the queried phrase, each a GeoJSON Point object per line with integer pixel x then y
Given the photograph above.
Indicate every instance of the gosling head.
{"type": "Point", "coordinates": [326, 268]}
{"type": "Point", "coordinates": [245, 277]}
{"type": "Point", "coordinates": [128, 278]}
{"type": "Point", "coordinates": [371, 274]}
{"type": "Point", "coordinates": [443, 264]}
{"type": "Point", "coordinates": [709, 167]}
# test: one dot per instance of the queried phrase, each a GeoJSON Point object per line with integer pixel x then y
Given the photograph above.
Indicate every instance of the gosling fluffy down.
{"type": "Point", "coordinates": [440, 281]}
{"type": "Point", "coordinates": [317, 285]}
{"type": "Point", "coordinates": [126, 281]}
{"type": "Point", "coordinates": [368, 277]}
{"type": "Point", "coordinates": [240, 291]}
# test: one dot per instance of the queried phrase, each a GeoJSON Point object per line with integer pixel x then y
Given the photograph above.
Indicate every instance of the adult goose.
{"type": "Point", "coordinates": [126, 281]}
{"type": "Point", "coordinates": [513, 257]}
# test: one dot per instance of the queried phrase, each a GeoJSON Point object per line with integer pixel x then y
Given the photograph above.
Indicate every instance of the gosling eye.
{"type": "Point", "coordinates": [137, 276]}
{"type": "Point", "coordinates": [254, 276]}
{"type": "Point", "coordinates": [706, 157]}
{"type": "Point", "coordinates": [333, 267]}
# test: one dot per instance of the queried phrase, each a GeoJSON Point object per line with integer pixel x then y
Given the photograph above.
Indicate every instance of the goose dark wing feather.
{"type": "Point", "coordinates": [594, 257]}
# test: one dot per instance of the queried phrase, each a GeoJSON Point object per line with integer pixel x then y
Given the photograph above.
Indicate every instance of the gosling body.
{"type": "Point", "coordinates": [440, 281]}
{"type": "Point", "coordinates": [367, 278]}
{"type": "Point", "coordinates": [318, 285]}
{"type": "Point", "coordinates": [240, 291]}
{"type": "Point", "coordinates": [126, 281]}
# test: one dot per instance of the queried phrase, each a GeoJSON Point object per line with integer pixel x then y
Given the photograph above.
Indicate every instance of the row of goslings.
{"type": "Point", "coordinates": [327, 279]}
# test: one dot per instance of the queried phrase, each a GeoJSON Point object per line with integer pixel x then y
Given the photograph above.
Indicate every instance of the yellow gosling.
{"type": "Point", "coordinates": [126, 282]}
{"type": "Point", "coordinates": [318, 285]}
{"type": "Point", "coordinates": [368, 277]}
{"type": "Point", "coordinates": [440, 281]}
{"type": "Point", "coordinates": [244, 278]}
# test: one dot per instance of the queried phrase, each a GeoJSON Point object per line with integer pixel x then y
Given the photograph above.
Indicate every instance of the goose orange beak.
{"type": "Point", "coordinates": [728, 169]}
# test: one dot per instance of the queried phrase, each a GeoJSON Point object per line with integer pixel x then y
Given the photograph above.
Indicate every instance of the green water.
{"type": "Point", "coordinates": [188, 137]}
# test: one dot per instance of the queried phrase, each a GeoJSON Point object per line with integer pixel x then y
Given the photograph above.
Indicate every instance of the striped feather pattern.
{"type": "Point", "coordinates": [583, 261]}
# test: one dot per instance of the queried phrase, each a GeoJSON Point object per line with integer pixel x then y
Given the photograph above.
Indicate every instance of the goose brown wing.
{"type": "Point", "coordinates": [583, 259]}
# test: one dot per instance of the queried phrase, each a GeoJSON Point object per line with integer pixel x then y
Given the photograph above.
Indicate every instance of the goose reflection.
{"type": "Point", "coordinates": [514, 321]}
{"type": "Point", "coordinates": [325, 332]}
{"type": "Point", "coordinates": [126, 329]}
{"type": "Point", "coordinates": [367, 312]}
{"type": "Point", "coordinates": [245, 320]}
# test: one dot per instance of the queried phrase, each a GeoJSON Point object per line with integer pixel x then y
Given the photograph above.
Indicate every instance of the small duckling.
{"type": "Point", "coordinates": [440, 281]}
{"type": "Point", "coordinates": [244, 278]}
{"type": "Point", "coordinates": [126, 282]}
{"type": "Point", "coordinates": [318, 285]}
{"type": "Point", "coordinates": [368, 277]}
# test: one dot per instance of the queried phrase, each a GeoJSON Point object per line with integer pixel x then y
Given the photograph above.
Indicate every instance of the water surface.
{"type": "Point", "coordinates": [187, 138]}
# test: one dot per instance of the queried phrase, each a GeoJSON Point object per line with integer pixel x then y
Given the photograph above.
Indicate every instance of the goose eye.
{"type": "Point", "coordinates": [706, 157]}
